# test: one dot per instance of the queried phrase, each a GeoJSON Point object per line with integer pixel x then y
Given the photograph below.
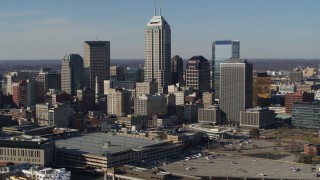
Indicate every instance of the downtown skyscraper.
{"type": "Point", "coordinates": [158, 52]}
{"type": "Point", "coordinates": [235, 89]}
{"type": "Point", "coordinates": [222, 50]}
{"type": "Point", "coordinates": [96, 63]}
{"type": "Point", "coordinates": [72, 73]}
{"type": "Point", "coordinates": [198, 74]}
{"type": "Point", "coordinates": [177, 70]}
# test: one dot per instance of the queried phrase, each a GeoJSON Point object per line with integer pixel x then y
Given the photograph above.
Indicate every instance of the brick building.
{"type": "Point", "coordinates": [297, 97]}
{"type": "Point", "coordinates": [312, 149]}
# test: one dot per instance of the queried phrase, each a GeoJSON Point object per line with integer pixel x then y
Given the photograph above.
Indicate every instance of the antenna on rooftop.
{"type": "Point", "coordinates": [155, 7]}
{"type": "Point", "coordinates": [160, 9]}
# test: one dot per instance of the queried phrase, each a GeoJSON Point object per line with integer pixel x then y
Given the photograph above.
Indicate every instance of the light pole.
{"type": "Point", "coordinates": [208, 146]}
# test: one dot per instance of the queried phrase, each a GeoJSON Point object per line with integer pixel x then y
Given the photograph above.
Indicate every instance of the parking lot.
{"type": "Point", "coordinates": [240, 166]}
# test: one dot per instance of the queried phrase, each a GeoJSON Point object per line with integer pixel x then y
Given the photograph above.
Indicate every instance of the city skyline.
{"type": "Point", "coordinates": [272, 29]}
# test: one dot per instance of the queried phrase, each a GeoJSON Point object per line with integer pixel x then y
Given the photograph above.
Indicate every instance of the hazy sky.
{"type": "Point", "coordinates": [38, 29]}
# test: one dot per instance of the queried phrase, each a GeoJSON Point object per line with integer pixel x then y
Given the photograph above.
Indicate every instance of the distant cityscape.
{"type": "Point", "coordinates": [162, 117]}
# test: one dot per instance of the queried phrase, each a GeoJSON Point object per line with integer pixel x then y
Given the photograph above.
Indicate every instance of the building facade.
{"type": "Point", "coordinates": [158, 52]}
{"type": "Point", "coordinates": [222, 50]}
{"type": "Point", "coordinates": [117, 73]}
{"type": "Point", "coordinates": [56, 115]}
{"type": "Point", "coordinates": [261, 92]}
{"type": "Point", "coordinates": [132, 121]}
{"type": "Point", "coordinates": [136, 75]}
{"type": "Point", "coordinates": [287, 88]}
{"type": "Point", "coordinates": [118, 102]}
{"type": "Point", "coordinates": [198, 74]}
{"type": "Point", "coordinates": [19, 93]}
{"type": "Point", "coordinates": [209, 115]}
{"type": "Point", "coordinates": [49, 78]}
{"type": "Point", "coordinates": [296, 76]}
{"type": "Point", "coordinates": [72, 74]}
{"type": "Point", "coordinates": [102, 151]}
{"type": "Point", "coordinates": [150, 87]}
{"type": "Point", "coordinates": [257, 117]}
{"type": "Point", "coordinates": [27, 149]}
{"type": "Point", "coordinates": [208, 99]}
{"type": "Point", "coordinates": [86, 98]}
{"type": "Point", "coordinates": [177, 70]}
{"type": "Point", "coordinates": [235, 89]}
{"type": "Point", "coordinates": [113, 84]}
{"type": "Point", "coordinates": [150, 104]}
{"type": "Point", "coordinates": [297, 97]}
{"type": "Point", "coordinates": [311, 149]}
{"type": "Point", "coordinates": [96, 63]}
{"type": "Point", "coordinates": [306, 115]}
{"type": "Point", "coordinates": [10, 78]}
{"type": "Point", "coordinates": [190, 114]}
{"type": "Point", "coordinates": [35, 92]}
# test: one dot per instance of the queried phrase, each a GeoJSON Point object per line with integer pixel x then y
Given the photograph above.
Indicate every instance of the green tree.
{"type": "Point", "coordinates": [307, 159]}
{"type": "Point", "coordinates": [254, 132]}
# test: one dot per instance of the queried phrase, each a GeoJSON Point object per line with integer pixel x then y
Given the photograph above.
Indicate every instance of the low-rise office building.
{"type": "Point", "coordinates": [306, 115]}
{"type": "Point", "coordinates": [191, 112]}
{"type": "Point", "coordinates": [297, 97]}
{"type": "Point", "coordinates": [311, 149]}
{"type": "Point", "coordinates": [27, 149]}
{"type": "Point", "coordinates": [257, 117]}
{"type": "Point", "coordinates": [150, 104]}
{"type": "Point", "coordinates": [208, 99]}
{"type": "Point", "coordinates": [58, 115]}
{"type": "Point", "coordinates": [134, 122]}
{"type": "Point", "coordinates": [209, 115]}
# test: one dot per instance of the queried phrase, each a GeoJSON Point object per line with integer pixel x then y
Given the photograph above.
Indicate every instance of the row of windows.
{"type": "Point", "coordinates": [19, 152]}
{"type": "Point", "coordinates": [19, 159]}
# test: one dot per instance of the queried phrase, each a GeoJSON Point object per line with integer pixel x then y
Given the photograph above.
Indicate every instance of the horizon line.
{"type": "Point", "coordinates": [144, 59]}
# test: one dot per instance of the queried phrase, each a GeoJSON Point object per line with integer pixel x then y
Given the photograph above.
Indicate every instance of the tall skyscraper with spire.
{"type": "Point", "coordinates": [158, 52]}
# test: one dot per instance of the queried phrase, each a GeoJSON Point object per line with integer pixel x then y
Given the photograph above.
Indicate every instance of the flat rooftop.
{"type": "Point", "coordinates": [241, 166]}
{"type": "Point", "coordinates": [24, 128]}
{"type": "Point", "coordinates": [104, 144]}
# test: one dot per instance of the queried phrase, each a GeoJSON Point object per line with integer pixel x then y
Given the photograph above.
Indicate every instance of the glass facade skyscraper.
{"type": "Point", "coordinates": [222, 50]}
{"type": "Point", "coordinates": [72, 74]}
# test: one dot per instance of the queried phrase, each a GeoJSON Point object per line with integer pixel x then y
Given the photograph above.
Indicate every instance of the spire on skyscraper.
{"type": "Point", "coordinates": [158, 52]}
{"type": "Point", "coordinates": [97, 91]}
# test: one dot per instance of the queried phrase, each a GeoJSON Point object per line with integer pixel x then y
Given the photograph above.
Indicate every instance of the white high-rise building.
{"type": "Point", "coordinates": [118, 102]}
{"type": "Point", "coordinates": [146, 88]}
{"type": "Point", "coordinates": [158, 52]}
